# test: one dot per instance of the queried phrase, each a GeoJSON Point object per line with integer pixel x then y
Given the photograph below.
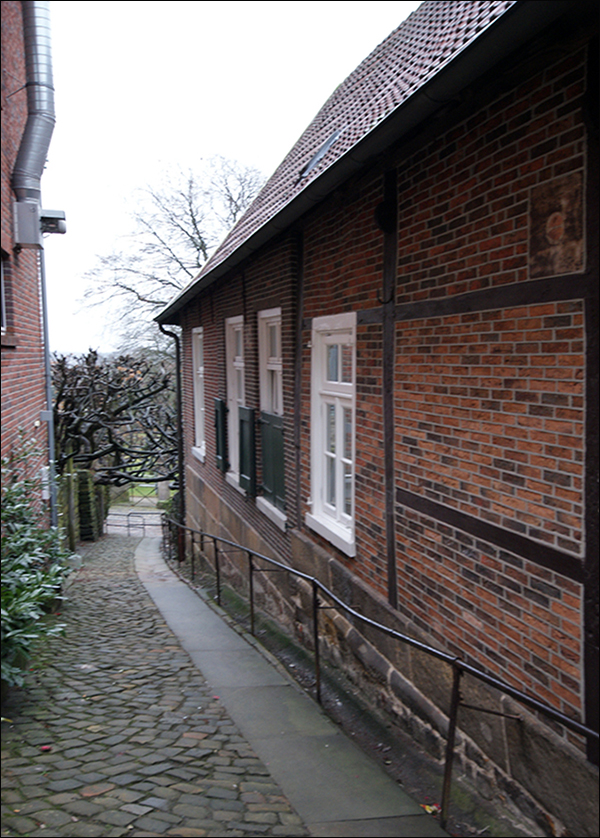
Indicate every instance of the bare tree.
{"type": "Point", "coordinates": [116, 417]}
{"type": "Point", "coordinates": [177, 224]}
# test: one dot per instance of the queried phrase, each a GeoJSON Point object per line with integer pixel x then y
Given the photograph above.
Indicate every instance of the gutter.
{"type": "Point", "coordinates": [519, 24]}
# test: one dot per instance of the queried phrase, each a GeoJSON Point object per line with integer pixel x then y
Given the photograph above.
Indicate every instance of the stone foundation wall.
{"type": "Point", "coordinates": [544, 775]}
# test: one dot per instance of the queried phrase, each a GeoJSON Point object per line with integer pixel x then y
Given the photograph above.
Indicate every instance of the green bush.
{"type": "Point", "coordinates": [33, 567]}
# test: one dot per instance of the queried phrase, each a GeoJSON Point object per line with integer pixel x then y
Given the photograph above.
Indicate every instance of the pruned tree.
{"type": "Point", "coordinates": [177, 224]}
{"type": "Point", "coordinates": [116, 417]}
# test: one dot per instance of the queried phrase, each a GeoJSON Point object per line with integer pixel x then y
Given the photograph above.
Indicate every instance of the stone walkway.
{"type": "Point", "coordinates": [117, 732]}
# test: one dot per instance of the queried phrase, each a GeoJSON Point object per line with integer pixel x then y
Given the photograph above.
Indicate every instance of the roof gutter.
{"type": "Point", "coordinates": [519, 24]}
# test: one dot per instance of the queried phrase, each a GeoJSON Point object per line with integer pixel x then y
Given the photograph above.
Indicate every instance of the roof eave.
{"type": "Point", "coordinates": [516, 26]}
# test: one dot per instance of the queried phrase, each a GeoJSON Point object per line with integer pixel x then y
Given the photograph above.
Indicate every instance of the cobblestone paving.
{"type": "Point", "coordinates": [117, 732]}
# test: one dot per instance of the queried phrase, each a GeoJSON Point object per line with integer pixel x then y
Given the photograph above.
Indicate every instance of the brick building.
{"type": "Point", "coordinates": [27, 123]}
{"type": "Point", "coordinates": [399, 344]}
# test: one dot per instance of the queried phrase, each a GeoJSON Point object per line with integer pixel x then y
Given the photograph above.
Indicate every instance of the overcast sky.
{"type": "Point", "coordinates": [144, 87]}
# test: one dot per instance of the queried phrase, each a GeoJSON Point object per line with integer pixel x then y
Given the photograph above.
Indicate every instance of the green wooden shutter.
{"type": "Point", "coordinates": [273, 462]}
{"type": "Point", "coordinates": [247, 451]}
{"type": "Point", "coordinates": [221, 434]}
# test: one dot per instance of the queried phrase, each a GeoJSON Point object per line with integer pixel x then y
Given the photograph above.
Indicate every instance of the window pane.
{"type": "Point", "coordinates": [347, 433]}
{"type": "Point", "coordinates": [238, 342]}
{"type": "Point", "coordinates": [332, 362]}
{"type": "Point", "coordinates": [273, 348]}
{"type": "Point", "coordinates": [330, 428]}
{"type": "Point", "coordinates": [347, 363]}
{"type": "Point", "coordinates": [348, 489]}
{"type": "Point", "coordinates": [272, 395]}
{"type": "Point", "coordinates": [331, 481]}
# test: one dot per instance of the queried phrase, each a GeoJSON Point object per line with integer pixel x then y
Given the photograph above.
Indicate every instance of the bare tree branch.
{"type": "Point", "coordinates": [116, 417]}
{"type": "Point", "coordinates": [176, 226]}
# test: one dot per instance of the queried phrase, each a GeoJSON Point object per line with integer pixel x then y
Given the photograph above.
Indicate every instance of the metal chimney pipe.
{"type": "Point", "coordinates": [35, 142]}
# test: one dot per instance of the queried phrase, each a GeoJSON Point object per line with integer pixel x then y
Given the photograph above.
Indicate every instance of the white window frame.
{"type": "Point", "coordinates": [3, 296]}
{"type": "Point", "coordinates": [333, 456]}
{"type": "Point", "coordinates": [199, 447]}
{"type": "Point", "coordinates": [234, 356]}
{"type": "Point", "coordinates": [270, 367]}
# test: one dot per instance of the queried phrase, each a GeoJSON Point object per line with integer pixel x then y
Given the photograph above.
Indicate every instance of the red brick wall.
{"type": "Point", "coordinates": [492, 607]}
{"type": "Point", "coordinates": [488, 401]}
{"type": "Point", "coordinates": [489, 405]}
{"type": "Point", "coordinates": [23, 389]}
{"type": "Point", "coordinates": [268, 283]}
{"type": "Point", "coordinates": [465, 200]}
{"type": "Point", "coordinates": [489, 417]}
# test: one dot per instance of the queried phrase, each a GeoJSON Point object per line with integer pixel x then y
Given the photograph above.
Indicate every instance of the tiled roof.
{"type": "Point", "coordinates": [430, 38]}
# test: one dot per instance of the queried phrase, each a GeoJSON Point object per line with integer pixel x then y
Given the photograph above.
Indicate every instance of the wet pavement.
{"type": "Point", "coordinates": [152, 717]}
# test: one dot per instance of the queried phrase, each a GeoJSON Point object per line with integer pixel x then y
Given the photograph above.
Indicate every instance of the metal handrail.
{"type": "Point", "coordinates": [459, 667]}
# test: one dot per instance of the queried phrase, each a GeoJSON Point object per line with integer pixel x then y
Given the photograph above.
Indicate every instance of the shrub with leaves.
{"type": "Point", "coordinates": [33, 567]}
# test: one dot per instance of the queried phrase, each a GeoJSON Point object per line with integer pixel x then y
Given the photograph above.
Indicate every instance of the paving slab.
{"type": "Point", "coordinates": [334, 786]}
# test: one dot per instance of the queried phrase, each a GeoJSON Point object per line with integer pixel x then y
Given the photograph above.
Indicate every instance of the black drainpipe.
{"type": "Point", "coordinates": [181, 480]}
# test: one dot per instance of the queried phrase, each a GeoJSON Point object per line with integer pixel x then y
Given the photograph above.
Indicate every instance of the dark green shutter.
{"type": "Point", "coordinates": [247, 451]}
{"type": "Point", "coordinates": [221, 434]}
{"type": "Point", "coordinates": [273, 462]}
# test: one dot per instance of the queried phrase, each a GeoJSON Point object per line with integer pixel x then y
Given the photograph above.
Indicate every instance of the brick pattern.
{"type": "Point", "coordinates": [369, 485]}
{"type": "Point", "coordinates": [14, 107]}
{"type": "Point", "coordinates": [266, 284]}
{"type": "Point", "coordinates": [464, 202]}
{"type": "Point", "coordinates": [489, 416]}
{"type": "Point", "coordinates": [23, 387]}
{"type": "Point", "coordinates": [489, 405]}
{"type": "Point", "coordinates": [522, 622]}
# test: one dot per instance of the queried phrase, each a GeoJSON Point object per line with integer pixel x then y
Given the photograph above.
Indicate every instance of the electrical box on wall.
{"type": "Point", "coordinates": [28, 232]}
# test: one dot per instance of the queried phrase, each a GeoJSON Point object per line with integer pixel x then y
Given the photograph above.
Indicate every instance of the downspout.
{"type": "Point", "coordinates": [26, 178]}
{"type": "Point", "coordinates": [179, 421]}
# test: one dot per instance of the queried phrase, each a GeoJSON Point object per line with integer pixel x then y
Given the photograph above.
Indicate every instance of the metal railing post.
{"type": "Point", "coordinates": [251, 590]}
{"type": "Point", "coordinates": [180, 544]}
{"type": "Point", "coordinates": [192, 535]}
{"type": "Point", "coordinates": [454, 702]}
{"type": "Point", "coordinates": [459, 667]}
{"type": "Point", "coordinates": [217, 571]}
{"type": "Point", "coordinates": [315, 610]}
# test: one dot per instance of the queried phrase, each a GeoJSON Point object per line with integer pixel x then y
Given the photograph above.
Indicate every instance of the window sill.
{"type": "Point", "coordinates": [199, 453]}
{"type": "Point", "coordinates": [340, 537]}
{"type": "Point", "coordinates": [273, 514]}
{"type": "Point", "coordinates": [234, 480]}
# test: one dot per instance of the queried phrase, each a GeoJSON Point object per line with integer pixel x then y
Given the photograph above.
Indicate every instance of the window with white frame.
{"type": "Point", "coordinates": [272, 499]}
{"type": "Point", "coordinates": [3, 289]}
{"type": "Point", "coordinates": [234, 354]}
{"type": "Point", "coordinates": [199, 448]}
{"type": "Point", "coordinates": [270, 363]}
{"type": "Point", "coordinates": [332, 429]}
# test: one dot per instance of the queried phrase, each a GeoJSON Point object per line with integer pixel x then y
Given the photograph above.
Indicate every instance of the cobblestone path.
{"type": "Point", "coordinates": [117, 732]}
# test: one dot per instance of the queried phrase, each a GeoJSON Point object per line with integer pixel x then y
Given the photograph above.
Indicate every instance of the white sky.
{"type": "Point", "coordinates": [142, 87]}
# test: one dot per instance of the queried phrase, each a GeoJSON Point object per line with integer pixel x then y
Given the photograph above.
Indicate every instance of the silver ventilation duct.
{"type": "Point", "coordinates": [35, 142]}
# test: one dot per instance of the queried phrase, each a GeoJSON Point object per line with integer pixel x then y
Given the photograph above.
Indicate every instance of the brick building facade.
{"type": "Point", "coordinates": [399, 345]}
{"type": "Point", "coordinates": [24, 397]}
